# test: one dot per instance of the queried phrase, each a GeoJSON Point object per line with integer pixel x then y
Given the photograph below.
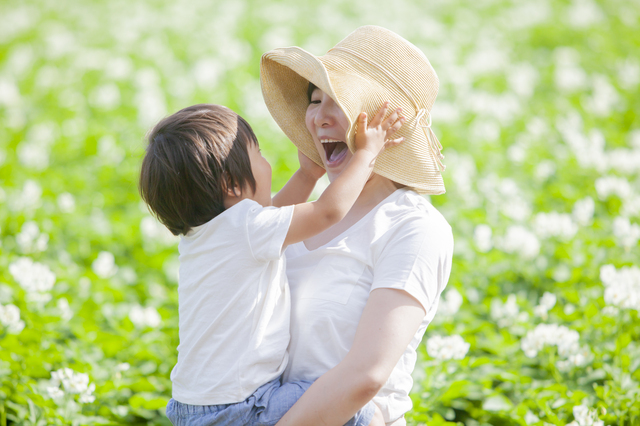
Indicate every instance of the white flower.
{"type": "Point", "coordinates": [446, 348]}
{"type": "Point", "coordinates": [66, 203]}
{"type": "Point", "coordinates": [565, 339]}
{"type": "Point", "coordinates": [531, 418]}
{"type": "Point", "coordinates": [10, 318]}
{"type": "Point", "coordinates": [65, 311]}
{"type": "Point", "coordinates": [607, 186]}
{"type": "Point", "coordinates": [547, 302]}
{"type": "Point", "coordinates": [30, 239]}
{"type": "Point", "coordinates": [108, 150]}
{"type": "Point", "coordinates": [622, 286]}
{"type": "Point", "coordinates": [507, 313]}
{"type": "Point", "coordinates": [586, 417]}
{"type": "Point", "coordinates": [520, 240]}
{"type": "Point", "coordinates": [482, 238]}
{"type": "Point", "coordinates": [583, 13]}
{"type": "Point", "coordinates": [604, 98]}
{"type": "Point", "coordinates": [608, 274]}
{"type": "Point", "coordinates": [581, 357]}
{"type": "Point", "coordinates": [106, 96]}
{"type": "Point", "coordinates": [67, 381]}
{"type": "Point", "coordinates": [450, 303]}
{"type": "Point", "coordinates": [29, 198]}
{"type": "Point", "coordinates": [33, 154]}
{"type": "Point", "coordinates": [87, 397]}
{"type": "Point", "coordinates": [123, 366]}
{"type": "Point", "coordinates": [583, 211]}
{"type": "Point", "coordinates": [154, 231]}
{"type": "Point", "coordinates": [626, 232]}
{"type": "Point", "coordinates": [581, 414]}
{"type": "Point", "coordinates": [55, 392]}
{"type": "Point", "coordinates": [145, 317]}
{"type": "Point", "coordinates": [77, 383]}
{"type": "Point", "coordinates": [570, 77]}
{"type": "Point", "coordinates": [555, 224]}
{"type": "Point", "coordinates": [629, 73]}
{"type": "Point", "coordinates": [34, 277]}
{"type": "Point", "coordinates": [545, 169]}
{"type": "Point", "coordinates": [104, 266]}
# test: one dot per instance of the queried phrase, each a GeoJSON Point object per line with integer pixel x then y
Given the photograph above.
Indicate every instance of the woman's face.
{"type": "Point", "coordinates": [328, 125]}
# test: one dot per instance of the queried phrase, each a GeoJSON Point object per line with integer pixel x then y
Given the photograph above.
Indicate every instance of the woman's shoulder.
{"type": "Point", "coordinates": [411, 226]}
{"type": "Point", "coordinates": [407, 208]}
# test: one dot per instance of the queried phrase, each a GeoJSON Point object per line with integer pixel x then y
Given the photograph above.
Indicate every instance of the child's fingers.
{"type": "Point", "coordinates": [393, 142]}
{"type": "Point", "coordinates": [377, 119]}
{"type": "Point", "coordinates": [362, 125]}
{"type": "Point", "coordinates": [391, 119]}
{"type": "Point", "coordinates": [394, 128]}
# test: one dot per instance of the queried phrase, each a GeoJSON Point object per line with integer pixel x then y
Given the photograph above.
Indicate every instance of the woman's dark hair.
{"type": "Point", "coordinates": [192, 158]}
{"type": "Point", "coordinates": [310, 90]}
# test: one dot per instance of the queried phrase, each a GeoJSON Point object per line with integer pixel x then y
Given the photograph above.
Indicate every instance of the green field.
{"type": "Point", "coordinates": [538, 113]}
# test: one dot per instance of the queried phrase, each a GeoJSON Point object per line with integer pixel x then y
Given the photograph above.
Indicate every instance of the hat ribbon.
{"type": "Point", "coordinates": [423, 116]}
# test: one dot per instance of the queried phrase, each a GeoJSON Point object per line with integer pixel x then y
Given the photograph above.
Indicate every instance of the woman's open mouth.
{"type": "Point", "coordinates": [335, 151]}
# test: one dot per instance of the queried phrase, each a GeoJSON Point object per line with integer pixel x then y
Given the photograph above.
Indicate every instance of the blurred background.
{"type": "Point", "coordinates": [538, 115]}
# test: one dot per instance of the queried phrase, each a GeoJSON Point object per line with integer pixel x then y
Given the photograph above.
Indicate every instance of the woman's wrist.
{"type": "Point", "coordinates": [308, 176]}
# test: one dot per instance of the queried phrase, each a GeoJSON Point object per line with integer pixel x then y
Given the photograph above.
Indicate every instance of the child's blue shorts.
{"type": "Point", "coordinates": [265, 407]}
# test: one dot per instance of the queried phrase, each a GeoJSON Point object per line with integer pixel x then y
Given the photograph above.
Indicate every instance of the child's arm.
{"type": "Point", "coordinates": [310, 219]}
{"type": "Point", "coordinates": [300, 185]}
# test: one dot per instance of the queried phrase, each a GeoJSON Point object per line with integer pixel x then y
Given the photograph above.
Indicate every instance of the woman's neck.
{"type": "Point", "coordinates": [374, 192]}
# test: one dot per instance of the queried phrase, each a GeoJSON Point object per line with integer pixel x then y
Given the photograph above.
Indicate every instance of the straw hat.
{"type": "Point", "coordinates": [368, 67]}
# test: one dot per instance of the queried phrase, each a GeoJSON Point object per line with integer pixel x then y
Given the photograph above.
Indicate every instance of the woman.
{"type": "Point", "coordinates": [364, 291]}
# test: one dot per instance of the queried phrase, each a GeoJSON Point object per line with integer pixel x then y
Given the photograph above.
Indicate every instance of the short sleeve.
{"type": "Point", "coordinates": [416, 259]}
{"type": "Point", "coordinates": [267, 229]}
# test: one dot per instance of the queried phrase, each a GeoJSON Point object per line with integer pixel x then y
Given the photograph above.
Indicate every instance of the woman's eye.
{"type": "Point", "coordinates": [315, 101]}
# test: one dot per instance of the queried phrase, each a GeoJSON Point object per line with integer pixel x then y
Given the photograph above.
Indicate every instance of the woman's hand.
{"type": "Point", "coordinates": [374, 136]}
{"type": "Point", "coordinates": [309, 168]}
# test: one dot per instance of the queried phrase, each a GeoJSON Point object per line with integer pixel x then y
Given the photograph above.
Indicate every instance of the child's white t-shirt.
{"type": "Point", "coordinates": [234, 305]}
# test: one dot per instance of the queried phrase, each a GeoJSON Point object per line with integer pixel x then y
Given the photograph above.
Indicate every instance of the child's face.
{"type": "Point", "coordinates": [261, 170]}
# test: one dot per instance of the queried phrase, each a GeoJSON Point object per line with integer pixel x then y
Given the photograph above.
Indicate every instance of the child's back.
{"type": "Point", "coordinates": [234, 305]}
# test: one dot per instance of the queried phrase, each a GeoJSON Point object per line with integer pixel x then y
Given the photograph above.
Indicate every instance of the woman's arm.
{"type": "Point", "coordinates": [298, 189]}
{"type": "Point", "coordinates": [389, 321]}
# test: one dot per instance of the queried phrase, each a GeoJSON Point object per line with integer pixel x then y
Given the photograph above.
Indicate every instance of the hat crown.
{"type": "Point", "coordinates": [397, 60]}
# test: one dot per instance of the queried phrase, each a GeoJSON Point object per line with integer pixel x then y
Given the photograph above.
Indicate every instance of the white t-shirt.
{"type": "Point", "coordinates": [403, 243]}
{"type": "Point", "coordinates": [234, 305]}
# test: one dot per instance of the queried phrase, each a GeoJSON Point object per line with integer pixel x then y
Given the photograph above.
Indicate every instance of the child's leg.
{"type": "Point", "coordinates": [369, 415]}
{"type": "Point", "coordinates": [275, 403]}
{"type": "Point", "coordinates": [377, 420]}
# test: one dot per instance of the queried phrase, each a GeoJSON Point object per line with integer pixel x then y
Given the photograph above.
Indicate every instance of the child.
{"type": "Point", "coordinates": [204, 178]}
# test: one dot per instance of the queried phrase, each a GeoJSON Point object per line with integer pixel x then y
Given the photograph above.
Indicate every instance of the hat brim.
{"type": "Point", "coordinates": [284, 78]}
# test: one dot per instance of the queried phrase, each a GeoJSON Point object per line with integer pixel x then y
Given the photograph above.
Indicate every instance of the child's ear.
{"type": "Point", "coordinates": [231, 190]}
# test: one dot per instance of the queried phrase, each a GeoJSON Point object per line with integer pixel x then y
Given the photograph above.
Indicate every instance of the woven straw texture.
{"type": "Point", "coordinates": [368, 67]}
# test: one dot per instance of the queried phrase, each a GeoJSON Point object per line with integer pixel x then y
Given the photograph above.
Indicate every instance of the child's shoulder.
{"type": "Point", "coordinates": [234, 217]}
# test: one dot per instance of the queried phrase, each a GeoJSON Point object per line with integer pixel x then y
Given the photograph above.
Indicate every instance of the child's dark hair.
{"type": "Point", "coordinates": [192, 158]}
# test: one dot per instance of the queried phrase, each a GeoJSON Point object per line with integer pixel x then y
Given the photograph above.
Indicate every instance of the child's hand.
{"type": "Point", "coordinates": [374, 136]}
{"type": "Point", "coordinates": [309, 168]}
